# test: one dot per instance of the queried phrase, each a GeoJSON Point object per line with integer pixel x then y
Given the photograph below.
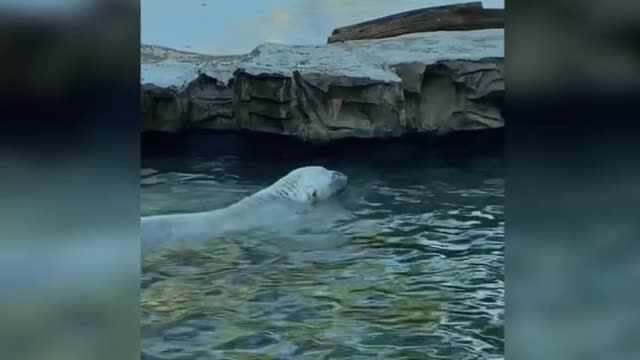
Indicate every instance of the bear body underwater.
{"type": "Point", "coordinates": [302, 186]}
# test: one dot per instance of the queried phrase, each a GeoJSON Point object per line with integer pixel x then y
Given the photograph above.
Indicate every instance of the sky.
{"type": "Point", "coordinates": [223, 27]}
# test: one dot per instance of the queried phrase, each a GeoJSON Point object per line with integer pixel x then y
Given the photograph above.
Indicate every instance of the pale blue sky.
{"type": "Point", "coordinates": [237, 26]}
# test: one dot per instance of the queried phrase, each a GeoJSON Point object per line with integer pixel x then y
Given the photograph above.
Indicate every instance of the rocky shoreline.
{"type": "Point", "coordinates": [429, 83]}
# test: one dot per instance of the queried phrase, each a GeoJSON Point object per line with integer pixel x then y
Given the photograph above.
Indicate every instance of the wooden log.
{"type": "Point", "coordinates": [467, 16]}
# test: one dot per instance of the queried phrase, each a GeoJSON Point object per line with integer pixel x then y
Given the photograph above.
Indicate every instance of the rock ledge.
{"type": "Point", "coordinates": [434, 83]}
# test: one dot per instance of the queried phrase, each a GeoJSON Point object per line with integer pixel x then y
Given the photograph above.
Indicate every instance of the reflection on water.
{"type": "Point", "coordinates": [235, 27]}
{"type": "Point", "coordinates": [409, 267]}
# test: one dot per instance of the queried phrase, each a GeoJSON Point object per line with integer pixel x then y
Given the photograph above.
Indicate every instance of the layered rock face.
{"type": "Point", "coordinates": [434, 83]}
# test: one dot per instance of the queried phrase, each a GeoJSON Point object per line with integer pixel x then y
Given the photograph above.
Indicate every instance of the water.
{"type": "Point", "coordinates": [410, 265]}
{"type": "Point", "coordinates": [236, 27]}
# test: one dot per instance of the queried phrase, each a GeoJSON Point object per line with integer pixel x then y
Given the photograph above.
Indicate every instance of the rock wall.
{"type": "Point", "coordinates": [434, 83]}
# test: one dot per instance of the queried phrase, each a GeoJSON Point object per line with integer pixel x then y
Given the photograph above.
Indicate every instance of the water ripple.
{"type": "Point", "coordinates": [419, 274]}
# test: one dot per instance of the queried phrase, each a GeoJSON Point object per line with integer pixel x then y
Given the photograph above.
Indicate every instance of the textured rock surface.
{"type": "Point", "coordinates": [435, 83]}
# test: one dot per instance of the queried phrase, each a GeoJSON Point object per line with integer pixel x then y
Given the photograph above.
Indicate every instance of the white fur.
{"type": "Point", "coordinates": [305, 185]}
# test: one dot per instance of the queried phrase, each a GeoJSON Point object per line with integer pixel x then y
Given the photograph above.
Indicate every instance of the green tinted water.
{"type": "Point", "coordinates": [416, 271]}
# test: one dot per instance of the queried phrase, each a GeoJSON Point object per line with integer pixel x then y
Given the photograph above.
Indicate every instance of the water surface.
{"type": "Point", "coordinates": [413, 271]}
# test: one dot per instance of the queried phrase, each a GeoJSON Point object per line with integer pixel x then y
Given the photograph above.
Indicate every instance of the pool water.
{"type": "Point", "coordinates": [407, 263]}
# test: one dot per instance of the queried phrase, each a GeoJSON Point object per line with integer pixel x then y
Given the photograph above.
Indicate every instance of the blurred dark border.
{"type": "Point", "coordinates": [572, 154]}
{"type": "Point", "coordinates": [70, 154]}
{"type": "Point", "coordinates": [63, 72]}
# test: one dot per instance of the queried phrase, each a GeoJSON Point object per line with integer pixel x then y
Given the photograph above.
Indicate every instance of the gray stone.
{"type": "Point", "coordinates": [434, 83]}
{"type": "Point", "coordinates": [461, 95]}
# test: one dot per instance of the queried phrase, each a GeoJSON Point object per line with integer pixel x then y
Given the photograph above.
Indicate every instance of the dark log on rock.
{"type": "Point", "coordinates": [467, 16]}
